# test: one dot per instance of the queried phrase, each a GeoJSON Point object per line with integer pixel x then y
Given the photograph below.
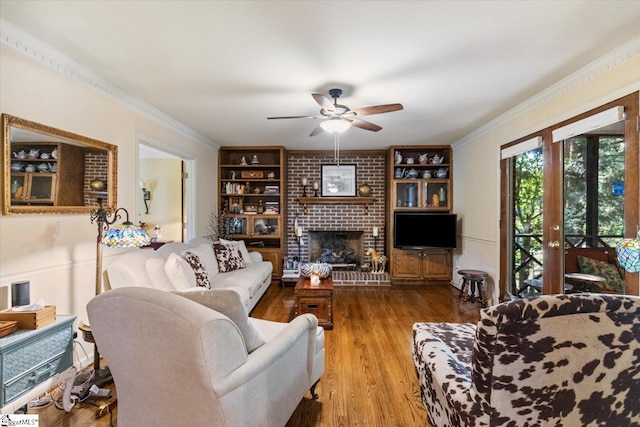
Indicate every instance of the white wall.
{"type": "Point", "coordinates": [477, 159]}
{"type": "Point", "coordinates": [56, 253]}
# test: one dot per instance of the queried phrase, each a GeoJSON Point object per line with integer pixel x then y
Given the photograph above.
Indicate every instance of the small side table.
{"type": "Point", "coordinates": [581, 282]}
{"type": "Point", "coordinates": [317, 300]}
{"type": "Point", "coordinates": [471, 279]}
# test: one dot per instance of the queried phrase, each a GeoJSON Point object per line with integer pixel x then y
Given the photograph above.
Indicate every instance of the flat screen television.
{"type": "Point", "coordinates": [422, 230]}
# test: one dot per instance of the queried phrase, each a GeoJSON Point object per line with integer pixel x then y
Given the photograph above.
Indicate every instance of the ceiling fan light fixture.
{"type": "Point", "coordinates": [335, 125]}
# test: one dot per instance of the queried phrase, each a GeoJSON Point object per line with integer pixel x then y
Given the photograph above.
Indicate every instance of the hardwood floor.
{"type": "Point", "coordinates": [369, 378]}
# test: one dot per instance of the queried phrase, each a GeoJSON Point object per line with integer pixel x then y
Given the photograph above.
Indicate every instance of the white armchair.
{"type": "Point", "coordinates": [178, 362]}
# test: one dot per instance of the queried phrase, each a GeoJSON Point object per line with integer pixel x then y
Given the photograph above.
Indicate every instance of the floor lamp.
{"type": "Point", "coordinates": [125, 235]}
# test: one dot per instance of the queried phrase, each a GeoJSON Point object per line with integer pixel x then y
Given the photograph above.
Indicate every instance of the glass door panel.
{"type": "Point", "coordinates": [593, 206]}
{"type": "Point", "coordinates": [526, 223]}
{"type": "Point", "coordinates": [407, 194]}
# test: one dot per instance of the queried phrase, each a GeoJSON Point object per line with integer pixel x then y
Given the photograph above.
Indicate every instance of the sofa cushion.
{"type": "Point", "coordinates": [179, 272]}
{"type": "Point", "coordinates": [603, 269]}
{"type": "Point", "coordinates": [158, 277]}
{"type": "Point", "coordinates": [229, 257]}
{"type": "Point", "coordinates": [172, 247]}
{"type": "Point", "coordinates": [124, 270]}
{"type": "Point", "coordinates": [253, 277]}
{"type": "Point", "coordinates": [229, 303]}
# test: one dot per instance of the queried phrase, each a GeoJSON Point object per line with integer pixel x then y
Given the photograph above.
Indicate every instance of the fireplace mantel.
{"type": "Point", "coordinates": [366, 201]}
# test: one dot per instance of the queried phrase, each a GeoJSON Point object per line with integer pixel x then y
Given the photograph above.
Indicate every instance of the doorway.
{"type": "Point", "coordinates": [161, 201]}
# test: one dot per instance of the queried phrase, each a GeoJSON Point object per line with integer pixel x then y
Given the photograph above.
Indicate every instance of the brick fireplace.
{"type": "Point", "coordinates": [338, 218]}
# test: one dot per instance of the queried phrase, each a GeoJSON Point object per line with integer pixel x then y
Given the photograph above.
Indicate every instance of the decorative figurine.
{"type": "Point", "coordinates": [243, 160]}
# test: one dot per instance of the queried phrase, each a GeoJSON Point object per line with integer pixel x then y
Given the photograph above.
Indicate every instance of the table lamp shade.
{"type": "Point", "coordinates": [628, 251]}
{"type": "Point", "coordinates": [125, 235]}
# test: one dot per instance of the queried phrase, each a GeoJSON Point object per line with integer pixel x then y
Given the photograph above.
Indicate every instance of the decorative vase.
{"type": "Point", "coordinates": [321, 269]}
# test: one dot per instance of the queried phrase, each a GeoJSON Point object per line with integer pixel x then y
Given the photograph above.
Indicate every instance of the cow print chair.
{"type": "Point", "coordinates": [554, 360]}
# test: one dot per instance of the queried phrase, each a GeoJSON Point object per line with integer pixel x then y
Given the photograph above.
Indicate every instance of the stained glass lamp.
{"type": "Point", "coordinates": [628, 251]}
{"type": "Point", "coordinates": [125, 235]}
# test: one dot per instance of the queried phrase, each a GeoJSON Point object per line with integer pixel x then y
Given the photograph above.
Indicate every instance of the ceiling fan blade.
{"type": "Point", "coordinates": [377, 109]}
{"type": "Point", "coordinates": [362, 124]}
{"type": "Point", "coordinates": [316, 131]}
{"type": "Point", "coordinates": [295, 117]}
{"type": "Point", "coordinates": [323, 101]}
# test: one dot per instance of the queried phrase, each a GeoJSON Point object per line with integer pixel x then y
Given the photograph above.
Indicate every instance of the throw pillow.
{"type": "Point", "coordinates": [179, 272]}
{"type": "Point", "coordinates": [207, 258]}
{"type": "Point", "coordinates": [228, 257]}
{"type": "Point", "coordinates": [202, 280]}
{"type": "Point", "coordinates": [242, 247]}
{"type": "Point", "coordinates": [603, 269]}
{"type": "Point", "coordinates": [229, 303]}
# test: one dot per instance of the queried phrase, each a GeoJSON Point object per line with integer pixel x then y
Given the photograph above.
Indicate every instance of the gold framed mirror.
{"type": "Point", "coordinates": [48, 170]}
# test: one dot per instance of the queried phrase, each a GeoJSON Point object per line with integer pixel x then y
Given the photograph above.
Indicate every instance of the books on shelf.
{"type": "Point", "coordinates": [233, 188]}
{"type": "Point", "coordinates": [271, 207]}
{"type": "Point", "coordinates": [271, 189]}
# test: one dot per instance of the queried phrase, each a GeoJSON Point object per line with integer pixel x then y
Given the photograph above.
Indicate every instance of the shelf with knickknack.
{"type": "Point", "coordinates": [41, 170]}
{"type": "Point", "coordinates": [421, 178]}
{"type": "Point", "coordinates": [420, 181]}
{"type": "Point", "coordinates": [251, 193]}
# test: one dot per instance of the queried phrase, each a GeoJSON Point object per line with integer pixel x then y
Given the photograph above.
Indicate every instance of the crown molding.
{"type": "Point", "coordinates": [597, 68]}
{"type": "Point", "coordinates": [57, 61]}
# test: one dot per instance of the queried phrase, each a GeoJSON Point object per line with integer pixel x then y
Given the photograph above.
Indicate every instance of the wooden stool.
{"type": "Point", "coordinates": [471, 278]}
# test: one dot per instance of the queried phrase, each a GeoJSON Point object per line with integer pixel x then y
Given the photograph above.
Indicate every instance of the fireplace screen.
{"type": "Point", "coordinates": [339, 248]}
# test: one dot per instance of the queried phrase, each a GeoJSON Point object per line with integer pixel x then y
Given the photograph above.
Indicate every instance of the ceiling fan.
{"type": "Point", "coordinates": [338, 118]}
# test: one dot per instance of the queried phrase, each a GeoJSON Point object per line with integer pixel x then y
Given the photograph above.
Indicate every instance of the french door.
{"type": "Point", "coordinates": [572, 184]}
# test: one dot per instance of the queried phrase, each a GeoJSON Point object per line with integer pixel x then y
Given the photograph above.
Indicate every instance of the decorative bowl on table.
{"type": "Point", "coordinates": [321, 269]}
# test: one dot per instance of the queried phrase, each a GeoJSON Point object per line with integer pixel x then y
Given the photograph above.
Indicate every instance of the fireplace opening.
{"type": "Point", "coordinates": [341, 249]}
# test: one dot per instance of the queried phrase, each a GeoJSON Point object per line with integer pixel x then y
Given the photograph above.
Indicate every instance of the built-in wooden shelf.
{"type": "Point", "coordinates": [366, 201]}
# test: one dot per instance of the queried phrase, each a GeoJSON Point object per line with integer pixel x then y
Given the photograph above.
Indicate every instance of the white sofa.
{"type": "Point", "coordinates": [177, 360]}
{"type": "Point", "coordinates": [166, 269]}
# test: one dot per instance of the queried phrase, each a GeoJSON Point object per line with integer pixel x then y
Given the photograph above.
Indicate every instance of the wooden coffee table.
{"type": "Point", "coordinates": [316, 300]}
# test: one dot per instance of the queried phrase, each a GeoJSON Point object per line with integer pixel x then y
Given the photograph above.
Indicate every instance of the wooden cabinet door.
{"type": "Point", "coordinates": [406, 264]}
{"type": "Point", "coordinates": [273, 255]}
{"type": "Point", "coordinates": [437, 265]}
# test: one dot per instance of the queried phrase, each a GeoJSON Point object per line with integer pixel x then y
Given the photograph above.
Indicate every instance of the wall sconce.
{"type": "Point", "coordinates": [146, 195]}
{"type": "Point", "coordinates": [305, 182]}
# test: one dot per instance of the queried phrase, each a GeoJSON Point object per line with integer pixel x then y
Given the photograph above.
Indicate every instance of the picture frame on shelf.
{"type": "Point", "coordinates": [338, 180]}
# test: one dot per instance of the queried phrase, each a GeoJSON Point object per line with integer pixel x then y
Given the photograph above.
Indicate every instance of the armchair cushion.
{"type": "Point", "coordinates": [603, 269]}
{"type": "Point", "coordinates": [229, 303]}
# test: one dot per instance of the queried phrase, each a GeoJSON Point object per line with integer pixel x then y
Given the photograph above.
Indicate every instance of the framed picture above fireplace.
{"type": "Point", "coordinates": [339, 180]}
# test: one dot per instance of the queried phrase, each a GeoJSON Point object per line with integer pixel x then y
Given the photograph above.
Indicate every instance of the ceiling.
{"type": "Point", "coordinates": [221, 68]}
